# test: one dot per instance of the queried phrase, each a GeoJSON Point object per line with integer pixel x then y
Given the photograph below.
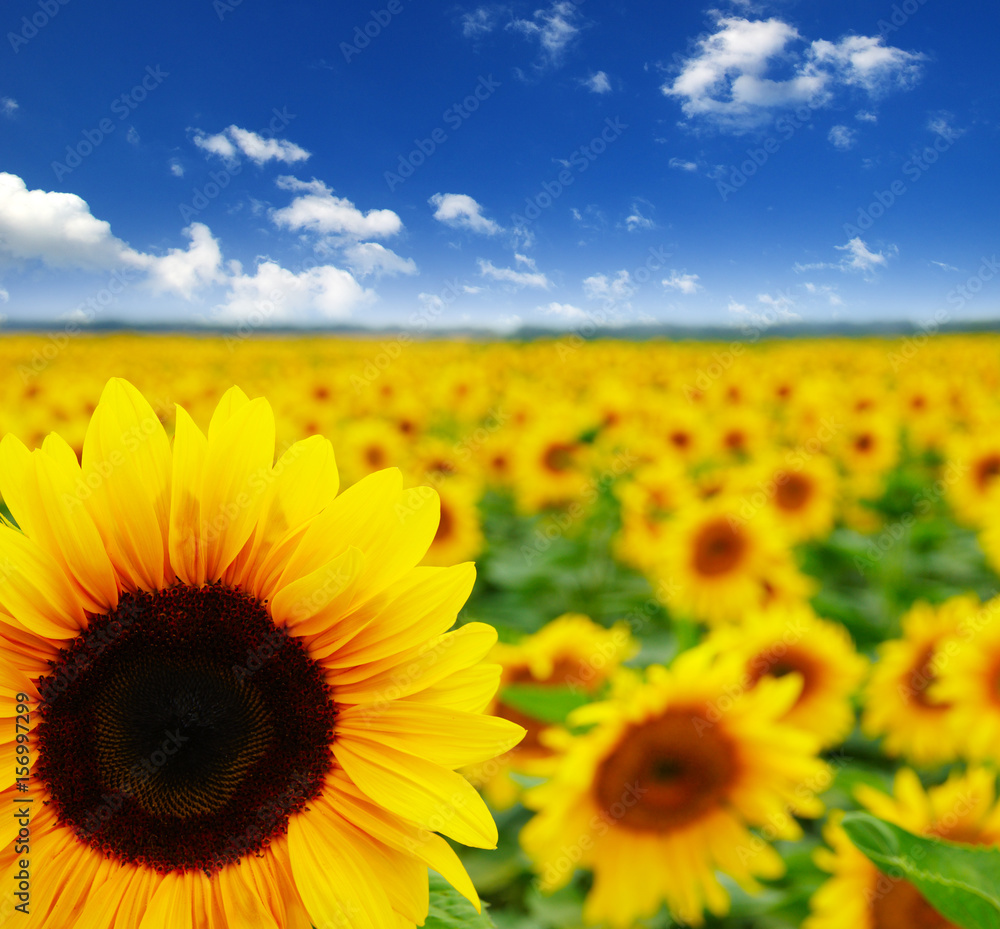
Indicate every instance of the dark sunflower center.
{"type": "Point", "coordinates": [794, 493]}
{"type": "Point", "coordinates": [667, 772]}
{"type": "Point", "coordinates": [182, 730]}
{"type": "Point", "coordinates": [559, 457]}
{"type": "Point", "coordinates": [718, 548]}
{"type": "Point", "coordinates": [987, 470]}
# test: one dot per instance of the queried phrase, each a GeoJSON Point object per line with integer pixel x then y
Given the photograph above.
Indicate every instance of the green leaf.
{"type": "Point", "coordinates": [450, 910]}
{"type": "Point", "coordinates": [961, 882]}
{"type": "Point", "coordinates": [544, 702]}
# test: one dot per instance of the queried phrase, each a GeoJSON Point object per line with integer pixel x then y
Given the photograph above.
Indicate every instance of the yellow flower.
{"type": "Point", "coordinates": [659, 795]}
{"type": "Point", "coordinates": [245, 707]}
{"type": "Point", "coordinates": [901, 702]}
{"type": "Point", "coordinates": [716, 563]}
{"type": "Point", "coordinates": [788, 640]}
{"type": "Point", "coordinates": [858, 895]}
{"type": "Point", "coordinates": [459, 535]}
{"type": "Point", "coordinates": [572, 651]}
{"type": "Point", "coordinates": [968, 678]}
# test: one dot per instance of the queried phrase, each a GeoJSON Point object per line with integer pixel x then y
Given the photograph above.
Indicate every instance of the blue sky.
{"type": "Point", "coordinates": [490, 165]}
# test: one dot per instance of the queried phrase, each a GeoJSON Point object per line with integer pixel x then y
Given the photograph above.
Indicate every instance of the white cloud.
{"type": "Point", "coordinates": [184, 271]}
{"type": "Point", "coordinates": [233, 140]}
{"type": "Point", "coordinates": [685, 283]}
{"type": "Point", "coordinates": [842, 137]}
{"type": "Point", "coordinates": [275, 293]}
{"type": "Point", "coordinates": [682, 164]}
{"type": "Point", "coordinates": [132, 136]}
{"type": "Point", "coordinates": [600, 287]}
{"type": "Point", "coordinates": [943, 266]}
{"type": "Point", "coordinates": [317, 210]}
{"type": "Point", "coordinates": [176, 168]}
{"type": "Point", "coordinates": [941, 124]}
{"type": "Point", "coordinates": [865, 116]}
{"type": "Point", "coordinates": [59, 230]}
{"type": "Point", "coordinates": [776, 309]}
{"type": "Point", "coordinates": [509, 275]}
{"type": "Point", "coordinates": [554, 28]}
{"type": "Point", "coordinates": [636, 220]}
{"type": "Point", "coordinates": [365, 258]}
{"type": "Point", "coordinates": [4, 296]}
{"type": "Point", "coordinates": [478, 23]}
{"type": "Point", "coordinates": [525, 260]}
{"type": "Point", "coordinates": [8, 106]}
{"type": "Point", "coordinates": [470, 289]}
{"type": "Point", "coordinates": [859, 258]}
{"type": "Point", "coordinates": [728, 83]}
{"type": "Point", "coordinates": [461, 211]}
{"type": "Point", "coordinates": [824, 290]}
{"type": "Point", "coordinates": [565, 311]}
{"type": "Point", "coordinates": [598, 83]}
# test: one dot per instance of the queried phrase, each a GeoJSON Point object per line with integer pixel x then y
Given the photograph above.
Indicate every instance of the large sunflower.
{"type": "Point", "coordinates": [245, 708]}
{"type": "Point", "coordinates": [659, 795]}
{"type": "Point", "coordinates": [858, 895]}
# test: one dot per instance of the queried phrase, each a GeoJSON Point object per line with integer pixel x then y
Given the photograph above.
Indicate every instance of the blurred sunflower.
{"type": "Point", "coordinates": [900, 701]}
{"type": "Point", "coordinates": [647, 502]}
{"type": "Point", "coordinates": [571, 651]}
{"type": "Point", "coordinates": [459, 535]}
{"type": "Point", "coordinates": [801, 496]}
{"type": "Point", "coordinates": [211, 644]}
{"type": "Point", "coordinates": [968, 679]}
{"type": "Point", "coordinates": [973, 467]}
{"type": "Point", "coordinates": [551, 464]}
{"type": "Point", "coordinates": [718, 560]}
{"type": "Point", "coordinates": [858, 895]}
{"type": "Point", "coordinates": [659, 795]}
{"type": "Point", "coordinates": [369, 445]}
{"type": "Point", "coordinates": [793, 640]}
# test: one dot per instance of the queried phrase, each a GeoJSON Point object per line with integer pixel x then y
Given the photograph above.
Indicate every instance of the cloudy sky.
{"type": "Point", "coordinates": [547, 162]}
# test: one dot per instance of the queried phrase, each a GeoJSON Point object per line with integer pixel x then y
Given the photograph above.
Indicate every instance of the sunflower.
{"type": "Point", "coordinates": [969, 680]}
{"type": "Point", "coordinates": [647, 501]}
{"type": "Point", "coordinates": [716, 563]}
{"type": "Point", "coordinates": [459, 535]}
{"type": "Point", "coordinates": [799, 492]}
{"type": "Point", "coordinates": [971, 478]}
{"type": "Point", "coordinates": [245, 709]}
{"type": "Point", "coordinates": [659, 795]}
{"type": "Point", "coordinates": [793, 640]}
{"type": "Point", "coordinates": [572, 651]}
{"type": "Point", "coordinates": [551, 465]}
{"type": "Point", "coordinates": [900, 701]}
{"type": "Point", "coordinates": [858, 895]}
{"type": "Point", "coordinates": [370, 445]}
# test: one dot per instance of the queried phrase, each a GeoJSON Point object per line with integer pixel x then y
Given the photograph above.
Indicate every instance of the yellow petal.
{"type": "Point", "coordinates": [187, 543]}
{"type": "Point", "coordinates": [239, 457]}
{"type": "Point", "coordinates": [450, 738]}
{"type": "Point", "coordinates": [408, 786]}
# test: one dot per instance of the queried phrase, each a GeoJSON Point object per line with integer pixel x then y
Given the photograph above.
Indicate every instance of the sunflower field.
{"type": "Point", "coordinates": [745, 669]}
